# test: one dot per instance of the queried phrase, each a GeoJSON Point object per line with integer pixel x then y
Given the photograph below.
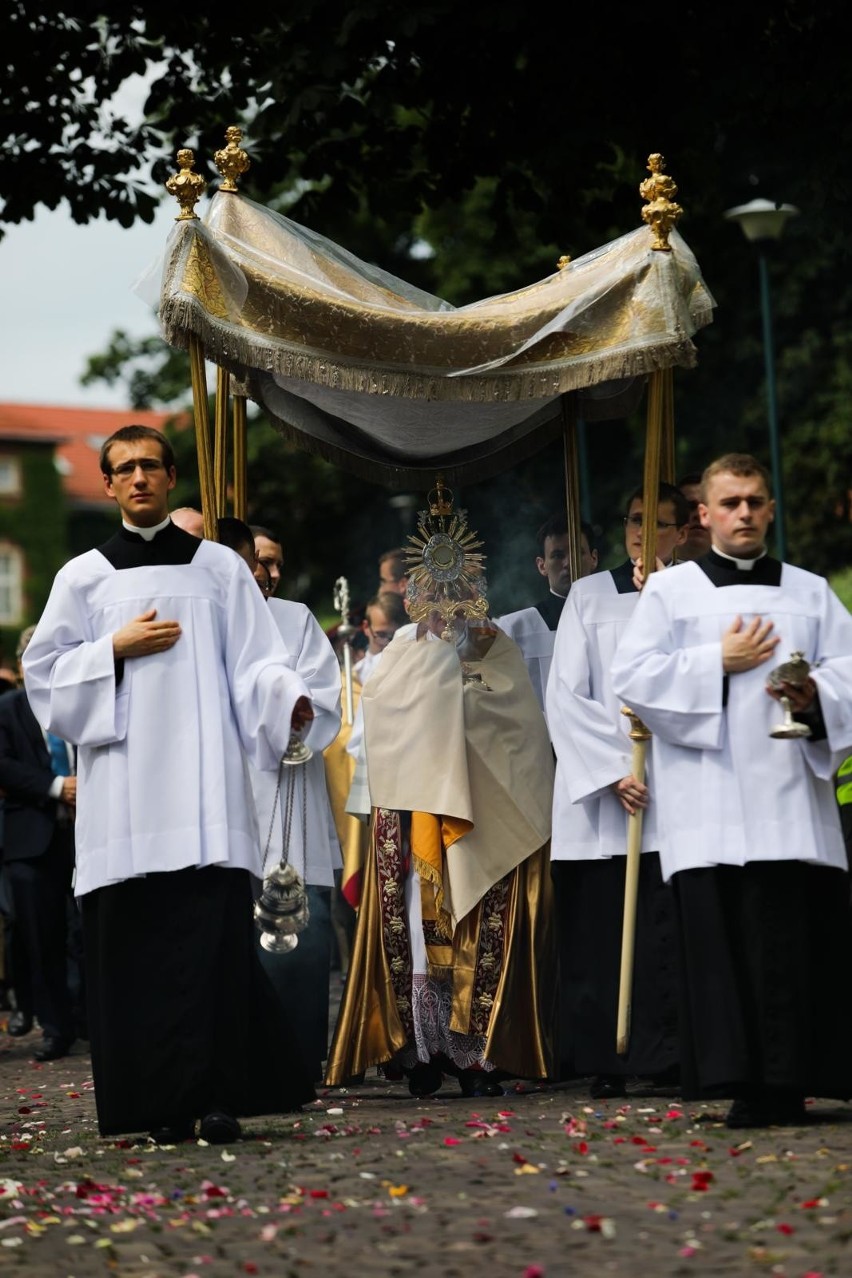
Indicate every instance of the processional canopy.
{"type": "Point", "coordinates": [393, 383]}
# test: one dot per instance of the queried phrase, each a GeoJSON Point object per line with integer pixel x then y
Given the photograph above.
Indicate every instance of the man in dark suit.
{"type": "Point", "coordinates": [38, 854]}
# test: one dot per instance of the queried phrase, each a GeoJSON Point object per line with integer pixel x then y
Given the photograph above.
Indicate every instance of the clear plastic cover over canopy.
{"type": "Point", "coordinates": [391, 382]}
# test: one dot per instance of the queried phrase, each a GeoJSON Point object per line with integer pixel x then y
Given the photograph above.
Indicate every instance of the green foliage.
{"type": "Point", "coordinates": [841, 584]}
{"type": "Point", "coordinates": [499, 142]}
{"type": "Point", "coordinates": [43, 541]}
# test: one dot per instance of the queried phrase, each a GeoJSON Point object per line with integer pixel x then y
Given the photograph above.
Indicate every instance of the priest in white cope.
{"type": "Point", "coordinates": [750, 832]}
{"type": "Point", "coordinates": [593, 795]}
{"type": "Point", "coordinates": [157, 656]}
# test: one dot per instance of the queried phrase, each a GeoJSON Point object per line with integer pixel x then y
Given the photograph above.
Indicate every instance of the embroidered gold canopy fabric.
{"type": "Point", "coordinates": [390, 381]}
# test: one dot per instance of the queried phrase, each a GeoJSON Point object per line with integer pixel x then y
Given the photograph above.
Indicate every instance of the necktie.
{"type": "Point", "coordinates": [58, 755]}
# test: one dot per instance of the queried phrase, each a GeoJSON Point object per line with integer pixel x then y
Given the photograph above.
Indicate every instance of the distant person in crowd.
{"type": "Point", "coordinates": [393, 572]}
{"type": "Point", "coordinates": [190, 519]}
{"type": "Point", "coordinates": [698, 538]}
{"type": "Point", "coordinates": [594, 794]}
{"type": "Point", "coordinates": [301, 977]}
{"type": "Point", "coordinates": [40, 789]}
{"type": "Point", "coordinates": [750, 835]}
{"type": "Point", "coordinates": [270, 553]}
{"type": "Point", "coordinates": [533, 629]}
{"type": "Point", "coordinates": [158, 658]}
{"type": "Point", "coordinates": [8, 679]}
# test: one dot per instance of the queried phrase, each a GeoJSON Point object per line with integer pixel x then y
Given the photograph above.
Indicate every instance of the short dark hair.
{"type": "Point", "coordinates": [667, 492]}
{"type": "Point", "coordinates": [692, 477]}
{"type": "Point", "coordinates": [391, 605]}
{"type": "Point", "coordinates": [130, 435]}
{"type": "Point", "coordinates": [260, 530]}
{"type": "Point", "coordinates": [396, 556]}
{"type": "Point", "coordinates": [556, 525]}
{"type": "Point", "coordinates": [235, 533]}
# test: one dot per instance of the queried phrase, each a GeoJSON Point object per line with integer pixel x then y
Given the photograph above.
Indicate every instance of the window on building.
{"type": "Point", "coordinates": [10, 476]}
{"type": "Point", "coordinates": [11, 585]}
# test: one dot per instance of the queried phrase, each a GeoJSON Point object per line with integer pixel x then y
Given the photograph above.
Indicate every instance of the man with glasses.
{"type": "Point", "coordinates": [157, 656]}
{"type": "Point", "coordinates": [594, 793]}
{"type": "Point", "coordinates": [384, 614]}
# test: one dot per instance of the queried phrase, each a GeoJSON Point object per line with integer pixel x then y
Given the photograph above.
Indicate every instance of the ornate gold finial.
{"type": "Point", "coordinates": [563, 261]}
{"type": "Point", "coordinates": [661, 213]}
{"type": "Point", "coordinates": [232, 160]}
{"type": "Point", "coordinates": [187, 187]}
{"type": "Point", "coordinates": [444, 564]}
{"type": "Point", "coordinates": [440, 498]}
{"type": "Point", "coordinates": [638, 731]}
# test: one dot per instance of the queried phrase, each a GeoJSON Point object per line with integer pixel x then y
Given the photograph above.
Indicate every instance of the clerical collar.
{"type": "Point", "coordinates": [147, 534]}
{"type": "Point", "coordinates": [744, 565]}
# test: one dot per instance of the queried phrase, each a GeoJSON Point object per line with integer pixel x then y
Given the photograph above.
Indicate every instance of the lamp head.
{"type": "Point", "coordinates": [761, 219]}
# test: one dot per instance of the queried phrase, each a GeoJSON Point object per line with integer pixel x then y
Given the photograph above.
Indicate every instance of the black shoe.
{"type": "Point", "coordinates": [478, 1082]}
{"type": "Point", "coordinates": [749, 1111]}
{"type": "Point", "coordinates": [425, 1079]}
{"type": "Point", "coordinates": [219, 1128]}
{"type": "Point", "coordinates": [607, 1087]}
{"type": "Point", "coordinates": [786, 1108]}
{"type": "Point", "coordinates": [51, 1048]}
{"type": "Point", "coordinates": [20, 1023]}
{"type": "Point", "coordinates": [172, 1134]}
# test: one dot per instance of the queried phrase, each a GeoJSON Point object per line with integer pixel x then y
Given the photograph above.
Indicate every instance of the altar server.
{"type": "Point", "coordinates": [593, 795]}
{"type": "Point", "coordinates": [157, 656]}
{"type": "Point", "coordinates": [750, 833]}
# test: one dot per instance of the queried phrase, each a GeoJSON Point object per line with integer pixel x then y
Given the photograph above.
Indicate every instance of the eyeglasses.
{"type": "Point", "coordinates": [635, 521]}
{"type": "Point", "coordinates": [382, 635]}
{"type": "Point", "coordinates": [146, 464]}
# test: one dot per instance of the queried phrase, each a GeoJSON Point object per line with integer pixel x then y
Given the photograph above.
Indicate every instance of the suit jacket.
{"type": "Point", "coordinates": [25, 778]}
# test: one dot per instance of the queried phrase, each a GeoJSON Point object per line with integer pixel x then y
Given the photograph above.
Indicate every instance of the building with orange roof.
{"type": "Point", "coordinates": [52, 499]}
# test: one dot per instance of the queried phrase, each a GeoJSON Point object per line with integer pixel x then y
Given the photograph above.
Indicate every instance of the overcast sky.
{"type": "Point", "coordinates": [67, 288]}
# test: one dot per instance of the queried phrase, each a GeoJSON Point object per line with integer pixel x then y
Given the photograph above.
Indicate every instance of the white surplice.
{"type": "Point", "coordinates": [358, 803]}
{"type": "Point", "coordinates": [316, 855]}
{"type": "Point", "coordinates": [588, 730]}
{"type": "Point", "coordinates": [528, 629]}
{"type": "Point", "coordinates": [163, 781]}
{"type": "Point", "coordinates": [727, 792]}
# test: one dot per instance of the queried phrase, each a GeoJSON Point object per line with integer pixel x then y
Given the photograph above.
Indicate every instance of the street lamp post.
{"type": "Point", "coordinates": [761, 222]}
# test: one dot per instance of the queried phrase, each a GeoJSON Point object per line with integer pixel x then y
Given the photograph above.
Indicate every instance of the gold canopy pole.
{"type": "Point", "coordinates": [201, 415]}
{"type": "Point", "coordinates": [187, 187]}
{"type": "Point", "coordinates": [240, 458]}
{"type": "Point", "coordinates": [661, 214]}
{"type": "Point", "coordinates": [220, 440]}
{"type": "Point", "coordinates": [571, 463]}
{"type": "Point", "coordinates": [231, 161]}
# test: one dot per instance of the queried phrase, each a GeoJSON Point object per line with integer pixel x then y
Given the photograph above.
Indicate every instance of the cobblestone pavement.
{"type": "Point", "coordinates": [539, 1183]}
